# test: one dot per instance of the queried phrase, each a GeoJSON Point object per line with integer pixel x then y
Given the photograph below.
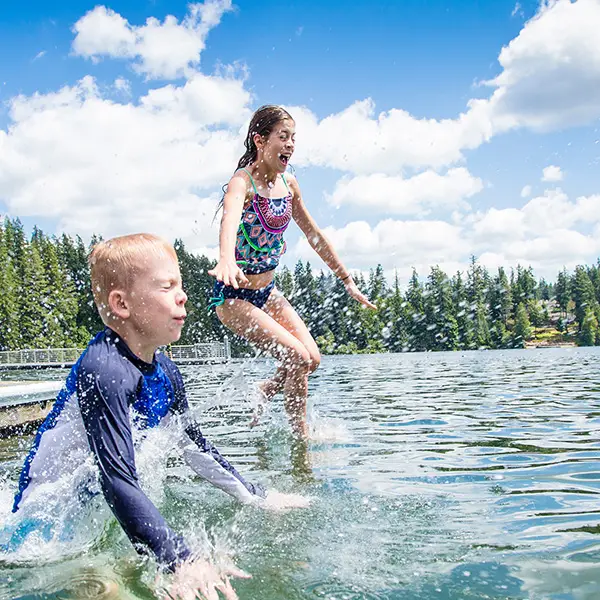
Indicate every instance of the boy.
{"type": "Point", "coordinates": [120, 384]}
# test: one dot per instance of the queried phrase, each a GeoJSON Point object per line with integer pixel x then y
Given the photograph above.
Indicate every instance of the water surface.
{"type": "Point", "coordinates": [439, 475]}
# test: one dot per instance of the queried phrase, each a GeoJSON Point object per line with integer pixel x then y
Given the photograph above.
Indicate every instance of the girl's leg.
{"type": "Point", "coordinates": [262, 330]}
{"type": "Point", "coordinates": [283, 312]}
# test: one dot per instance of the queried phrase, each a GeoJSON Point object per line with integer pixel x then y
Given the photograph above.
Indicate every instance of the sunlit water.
{"type": "Point", "coordinates": [448, 475]}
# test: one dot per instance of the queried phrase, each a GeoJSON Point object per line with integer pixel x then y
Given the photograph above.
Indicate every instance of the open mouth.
{"type": "Point", "coordinates": [284, 158]}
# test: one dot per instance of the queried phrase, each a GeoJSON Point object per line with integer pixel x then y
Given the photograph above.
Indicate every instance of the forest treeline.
{"type": "Point", "coordinates": [46, 301]}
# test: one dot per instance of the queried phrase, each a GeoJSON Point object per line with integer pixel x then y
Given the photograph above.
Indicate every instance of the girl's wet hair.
{"type": "Point", "coordinates": [262, 123]}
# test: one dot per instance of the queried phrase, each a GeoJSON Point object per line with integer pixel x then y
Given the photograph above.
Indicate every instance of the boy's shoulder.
{"type": "Point", "coordinates": [105, 359]}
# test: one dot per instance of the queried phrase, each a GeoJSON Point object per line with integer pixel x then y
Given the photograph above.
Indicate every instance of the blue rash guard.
{"type": "Point", "coordinates": [109, 393]}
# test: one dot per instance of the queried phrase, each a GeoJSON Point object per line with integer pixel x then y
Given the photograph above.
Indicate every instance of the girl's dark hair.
{"type": "Point", "coordinates": [263, 122]}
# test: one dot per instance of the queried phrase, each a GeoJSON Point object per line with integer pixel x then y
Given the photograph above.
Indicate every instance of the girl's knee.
{"type": "Point", "coordinates": [298, 358]}
{"type": "Point", "coordinates": [315, 361]}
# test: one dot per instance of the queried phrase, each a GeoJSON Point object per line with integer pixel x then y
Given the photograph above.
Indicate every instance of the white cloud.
{"type": "Point", "coordinates": [101, 166]}
{"type": "Point", "coordinates": [497, 225]}
{"type": "Point", "coordinates": [414, 196]}
{"type": "Point", "coordinates": [552, 173]}
{"type": "Point", "coordinates": [526, 191]}
{"type": "Point", "coordinates": [550, 79]}
{"type": "Point", "coordinates": [123, 85]}
{"type": "Point", "coordinates": [166, 50]}
{"type": "Point", "coordinates": [392, 243]}
{"type": "Point", "coordinates": [551, 70]}
{"type": "Point", "coordinates": [359, 141]}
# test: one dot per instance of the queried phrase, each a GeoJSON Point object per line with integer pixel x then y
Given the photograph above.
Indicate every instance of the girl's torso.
{"type": "Point", "coordinates": [259, 242]}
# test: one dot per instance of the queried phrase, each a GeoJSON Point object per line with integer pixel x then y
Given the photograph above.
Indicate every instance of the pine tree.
{"type": "Point", "coordinates": [583, 295]}
{"type": "Point", "coordinates": [522, 329]}
{"type": "Point", "coordinates": [396, 320]}
{"type": "Point", "coordinates": [588, 335]}
{"type": "Point", "coordinates": [464, 322]}
{"type": "Point", "coordinates": [417, 328]}
{"type": "Point", "coordinates": [284, 280]}
{"type": "Point", "coordinates": [33, 294]}
{"type": "Point", "coordinates": [441, 326]}
{"type": "Point", "coordinates": [9, 315]}
{"type": "Point", "coordinates": [73, 257]}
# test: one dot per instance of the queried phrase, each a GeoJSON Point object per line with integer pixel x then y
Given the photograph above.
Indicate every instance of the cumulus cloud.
{"type": "Point", "coordinates": [416, 195]}
{"type": "Point", "coordinates": [393, 243]}
{"type": "Point", "coordinates": [97, 165]}
{"type": "Point", "coordinates": [552, 173]}
{"type": "Point", "coordinates": [360, 141]}
{"type": "Point", "coordinates": [550, 75]}
{"type": "Point", "coordinates": [526, 191]}
{"type": "Point", "coordinates": [166, 50]}
{"type": "Point", "coordinates": [549, 79]}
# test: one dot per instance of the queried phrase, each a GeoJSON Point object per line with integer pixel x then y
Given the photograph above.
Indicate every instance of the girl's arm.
{"type": "Point", "coordinates": [226, 269]}
{"type": "Point", "coordinates": [322, 246]}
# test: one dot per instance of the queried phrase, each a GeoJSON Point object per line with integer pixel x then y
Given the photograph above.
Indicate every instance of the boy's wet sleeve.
{"type": "Point", "coordinates": [104, 405]}
{"type": "Point", "coordinates": [209, 463]}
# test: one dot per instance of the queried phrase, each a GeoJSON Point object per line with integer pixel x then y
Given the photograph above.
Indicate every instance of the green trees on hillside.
{"type": "Point", "coordinates": [46, 301]}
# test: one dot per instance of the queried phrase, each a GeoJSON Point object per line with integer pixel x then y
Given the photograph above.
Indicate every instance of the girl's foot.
{"type": "Point", "coordinates": [261, 401]}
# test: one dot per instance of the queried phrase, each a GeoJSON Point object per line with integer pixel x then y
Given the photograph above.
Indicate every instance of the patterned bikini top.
{"type": "Point", "coordinates": [259, 244]}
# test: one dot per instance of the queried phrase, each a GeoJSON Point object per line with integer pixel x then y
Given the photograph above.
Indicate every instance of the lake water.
{"type": "Point", "coordinates": [455, 476]}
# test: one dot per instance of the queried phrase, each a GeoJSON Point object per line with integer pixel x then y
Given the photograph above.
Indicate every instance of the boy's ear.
{"type": "Point", "coordinates": [118, 304]}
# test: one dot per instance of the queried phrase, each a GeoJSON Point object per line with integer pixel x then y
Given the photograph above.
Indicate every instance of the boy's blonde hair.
{"type": "Point", "coordinates": [118, 262]}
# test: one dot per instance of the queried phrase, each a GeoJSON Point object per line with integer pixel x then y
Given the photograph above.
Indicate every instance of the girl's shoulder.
{"type": "Point", "coordinates": [292, 183]}
{"type": "Point", "coordinates": [241, 179]}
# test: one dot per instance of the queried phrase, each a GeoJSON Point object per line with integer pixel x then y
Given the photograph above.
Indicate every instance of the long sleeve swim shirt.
{"type": "Point", "coordinates": [108, 394]}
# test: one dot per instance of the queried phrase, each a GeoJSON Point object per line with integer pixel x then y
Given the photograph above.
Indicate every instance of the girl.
{"type": "Point", "coordinates": [258, 205]}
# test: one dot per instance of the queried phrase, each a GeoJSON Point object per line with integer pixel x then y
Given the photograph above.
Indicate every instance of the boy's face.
{"type": "Point", "coordinates": [157, 301]}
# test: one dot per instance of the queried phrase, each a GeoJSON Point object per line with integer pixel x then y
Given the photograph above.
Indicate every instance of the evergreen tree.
{"type": "Point", "coordinates": [417, 328]}
{"type": "Point", "coordinates": [562, 291]}
{"type": "Point", "coordinates": [588, 335]}
{"type": "Point", "coordinates": [33, 294]}
{"type": "Point", "coordinates": [73, 257]}
{"type": "Point", "coordinates": [9, 315]}
{"type": "Point", "coordinates": [442, 329]}
{"type": "Point", "coordinates": [522, 330]}
{"type": "Point", "coordinates": [583, 295]}
{"type": "Point", "coordinates": [397, 319]}
{"type": "Point", "coordinates": [284, 280]}
{"type": "Point", "coordinates": [464, 322]}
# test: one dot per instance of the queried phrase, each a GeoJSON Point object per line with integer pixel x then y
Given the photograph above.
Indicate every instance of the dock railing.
{"type": "Point", "coordinates": [65, 357]}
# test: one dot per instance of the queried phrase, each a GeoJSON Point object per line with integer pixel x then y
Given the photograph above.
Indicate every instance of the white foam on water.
{"type": "Point", "coordinates": [327, 429]}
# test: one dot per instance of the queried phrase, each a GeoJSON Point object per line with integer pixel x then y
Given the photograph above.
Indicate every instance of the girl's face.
{"type": "Point", "coordinates": [276, 150]}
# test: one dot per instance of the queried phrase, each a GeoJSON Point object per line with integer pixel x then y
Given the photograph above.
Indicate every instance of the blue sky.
{"type": "Point", "coordinates": [434, 190]}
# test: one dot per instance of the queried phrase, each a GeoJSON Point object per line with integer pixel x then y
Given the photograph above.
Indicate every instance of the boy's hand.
{"type": "Point", "coordinates": [277, 501]}
{"type": "Point", "coordinates": [199, 579]}
{"type": "Point", "coordinates": [229, 273]}
{"type": "Point", "coordinates": [353, 291]}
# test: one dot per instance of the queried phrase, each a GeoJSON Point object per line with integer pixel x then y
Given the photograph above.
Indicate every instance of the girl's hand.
{"type": "Point", "coordinates": [353, 291]}
{"type": "Point", "coordinates": [229, 273]}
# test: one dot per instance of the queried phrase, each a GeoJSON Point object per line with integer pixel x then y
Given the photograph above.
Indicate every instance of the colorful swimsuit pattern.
{"type": "Point", "coordinates": [259, 244]}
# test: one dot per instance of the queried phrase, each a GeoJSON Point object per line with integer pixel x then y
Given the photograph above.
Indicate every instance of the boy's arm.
{"type": "Point", "coordinates": [202, 456]}
{"type": "Point", "coordinates": [105, 411]}
{"type": "Point", "coordinates": [210, 464]}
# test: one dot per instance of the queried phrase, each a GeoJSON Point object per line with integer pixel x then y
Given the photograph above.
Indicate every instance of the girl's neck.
{"type": "Point", "coordinates": [263, 176]}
